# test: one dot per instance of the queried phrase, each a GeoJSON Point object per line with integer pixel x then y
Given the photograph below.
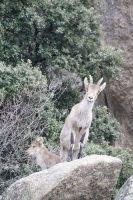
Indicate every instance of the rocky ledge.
{"type": "Point", "coordinates": [92, 177]}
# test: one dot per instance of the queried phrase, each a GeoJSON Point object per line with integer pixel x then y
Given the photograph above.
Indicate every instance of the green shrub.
{"type": "Point", "coordinates": [106, 61]}
{"type": "Point", "coordinates": [62, 34]}
{"type": "Point", "coordinates": [66, 97]}
{"type": "Point", "coordinates": [104, 127]}
{"type": "Point", "coordinates": [127, 159]}
{"type": "Point", "coordinates": [17, 30]}
{"type": "Point", "coordinates": [13, 79]}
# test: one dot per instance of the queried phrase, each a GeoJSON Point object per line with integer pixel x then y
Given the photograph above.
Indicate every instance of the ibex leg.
{"type": "Point", "coordinates": [63, 154]}
{"type": "Point", "coordinates": [70, 152]}
{"type": "Point", "coordinates": [81, 145]}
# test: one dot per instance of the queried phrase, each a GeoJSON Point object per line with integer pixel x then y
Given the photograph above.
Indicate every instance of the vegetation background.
{"type": "Point", "coordinates": [37, 37]}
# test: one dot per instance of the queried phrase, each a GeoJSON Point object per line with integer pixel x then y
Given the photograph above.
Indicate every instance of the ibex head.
{"type": "Point", "coordinates": [93, 90]}
{"type": "Point", "coordinates": [35, 146]}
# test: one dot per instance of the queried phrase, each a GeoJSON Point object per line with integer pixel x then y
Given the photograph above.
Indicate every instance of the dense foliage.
{"type": "Point", "coordinates": [12, 79]}
{"type": "Point", "coordinates": [64, 34]}
{"type": "Point", "coordinates": [67, 96]}
{"type": "Point", "coordinates": [104, 127]}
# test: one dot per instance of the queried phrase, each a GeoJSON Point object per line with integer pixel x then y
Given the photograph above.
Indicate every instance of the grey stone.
{"type": "Point", "coordinates": [126, 191]}
{"type": "Point", "coordinates": [89, 178]}
{"type": "Point", "coordinates": [117, 31]}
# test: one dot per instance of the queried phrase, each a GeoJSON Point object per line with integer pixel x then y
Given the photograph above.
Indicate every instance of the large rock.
{"type": "Point", "coordinates": [117, 26]}
{"type": "Point", "coordinates": [126, 191]}
{"type": "Point", "coordinates": [92, 178]}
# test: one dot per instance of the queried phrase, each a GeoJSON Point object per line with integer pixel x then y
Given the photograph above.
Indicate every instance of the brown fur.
{"type": "Point", "coordinates": [44, 158]}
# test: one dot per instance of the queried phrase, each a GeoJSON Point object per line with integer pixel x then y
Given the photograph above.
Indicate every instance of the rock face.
{"type": "Point", "coordinates": [117, 26]}
{"type": "Point", "coordinates": [90, 178]}
{"type": "Point", "coordinates": [126, 191]}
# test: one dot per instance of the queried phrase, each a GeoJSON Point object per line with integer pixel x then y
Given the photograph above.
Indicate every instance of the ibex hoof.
{"type": "Point", "coordinates": [69, 159]}
{"type": "Point", "coordinates": [80, 155]}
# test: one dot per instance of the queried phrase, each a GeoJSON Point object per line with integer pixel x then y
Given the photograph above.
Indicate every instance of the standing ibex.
{"type": "Point", "coordinates": [75, 132]}
{"type": "Point", "coordinates": [44, 158]}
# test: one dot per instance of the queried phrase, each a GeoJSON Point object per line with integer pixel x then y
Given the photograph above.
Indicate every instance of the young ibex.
{"type": "Point", "coordinates": [75, 132]}
{"type": "Point", "coordinates": [44, 158]}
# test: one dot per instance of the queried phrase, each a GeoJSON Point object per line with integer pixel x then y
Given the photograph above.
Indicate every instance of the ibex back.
{"type": "Point", "coordinates": [75, 132]}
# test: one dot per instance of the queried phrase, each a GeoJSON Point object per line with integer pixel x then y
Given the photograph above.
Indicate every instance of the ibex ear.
{"type": "Point", "coordinates": [86, 83]}
{"type": "Point", "coordinates": [102, 87]}
{"type": "Point", "coordinates": [39, 140]}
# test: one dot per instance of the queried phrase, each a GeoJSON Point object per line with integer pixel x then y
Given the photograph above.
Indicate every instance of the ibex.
{"type": "Point", "coordinates": [44, 158]}
{"type": "Point", "coordinates": [75, 132]}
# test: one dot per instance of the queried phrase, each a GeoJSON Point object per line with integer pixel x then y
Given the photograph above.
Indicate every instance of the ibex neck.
{"type": "Point", "coordinates": [86, 104]}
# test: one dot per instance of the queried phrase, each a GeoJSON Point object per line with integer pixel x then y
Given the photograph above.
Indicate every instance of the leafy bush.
{"type": "Point", "coordinates": [66, 97]}
{"type": "Point", "coordinates": [12, 79]}
{"type": "Point", "coordinates": [106, 61]}
{"type": "Point", "coordinates": [17, 30]}
{"type": "Point", "coordinates": [104, 127]}
{"type": "Point", "coordinates": [61, 33]}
